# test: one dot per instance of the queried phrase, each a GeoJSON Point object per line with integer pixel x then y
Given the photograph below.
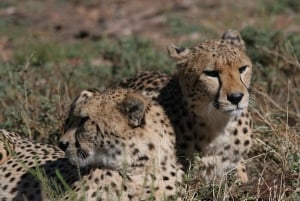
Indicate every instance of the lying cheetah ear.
{"type": "Point", "coordinates": [179, 54]}
{"type": "Point", "coordinates": [234, 37]}
{"type": "Point", "coordinates": [81, 100]}
{"type": "Point", "coordinates": [134, 107]}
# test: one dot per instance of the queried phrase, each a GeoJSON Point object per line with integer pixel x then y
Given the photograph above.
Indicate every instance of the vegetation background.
{"type": "Point", "coordinates": [51, 50]}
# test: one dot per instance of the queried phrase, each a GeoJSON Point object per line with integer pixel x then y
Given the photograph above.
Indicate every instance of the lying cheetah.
{"type": "Point", "coordinates": [124, 152]}
{"type": "Point", "coordinates": [206, 100]}
{"type": "Point", "coordinates": [129, 142]}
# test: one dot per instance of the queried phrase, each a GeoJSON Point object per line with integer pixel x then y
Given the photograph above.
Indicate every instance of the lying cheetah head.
{"type": "Point", "coordinates": [115, 128]}
{"type": "Point", "coordinates": [217, 72]}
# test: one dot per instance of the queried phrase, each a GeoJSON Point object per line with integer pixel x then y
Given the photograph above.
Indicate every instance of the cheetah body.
{"type": "Point", "coordinates": [207, 102]}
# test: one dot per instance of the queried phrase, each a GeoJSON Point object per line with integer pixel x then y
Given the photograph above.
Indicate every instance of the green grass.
{"type": "Point", "coordinates": [44, 76]}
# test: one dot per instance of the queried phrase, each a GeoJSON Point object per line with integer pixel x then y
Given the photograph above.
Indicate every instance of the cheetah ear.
{"type": "Point", "coordinates": [134, 106]}
{"type": "Point", "coordinates": [77, 108]}
{"type": "Point", "coordinates": [179, 54]}
{"type": "Point", "coordinates": [234, 37]}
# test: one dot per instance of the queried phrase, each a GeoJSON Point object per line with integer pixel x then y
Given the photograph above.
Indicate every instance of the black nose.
{"type": "Point", "coordinates": [235, 98]}
{"type": "Point", "coordinates": [63, 145]}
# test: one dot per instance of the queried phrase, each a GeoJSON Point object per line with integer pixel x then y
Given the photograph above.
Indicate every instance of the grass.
{"type": "Point", "coordinates": [44, 75]}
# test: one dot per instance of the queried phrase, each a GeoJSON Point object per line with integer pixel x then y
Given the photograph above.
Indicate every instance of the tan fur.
{"type": "Point", "coordinates": [139, 154]}
{"type": "Point", "coordinates": [206, 100]}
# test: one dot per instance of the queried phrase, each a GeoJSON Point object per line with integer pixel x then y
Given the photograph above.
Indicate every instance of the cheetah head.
{"type": "Point", "coordinates": [214, 75]}
{"type": "Point", "coordinates": [98, 125]}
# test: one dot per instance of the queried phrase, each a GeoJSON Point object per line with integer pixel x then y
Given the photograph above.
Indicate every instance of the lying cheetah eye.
{"type": "Point", "coordinates": [242, 69]}
{"type": "Point", "coordinates": [211, 73]}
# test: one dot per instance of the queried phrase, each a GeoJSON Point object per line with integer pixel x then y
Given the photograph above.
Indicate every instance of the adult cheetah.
{"type": "Point", "coordinates": [117, 150]}
{"type": "Point", "coordinates": [129, 142]}
{"type": "Point", "coordinates": [207, 101]}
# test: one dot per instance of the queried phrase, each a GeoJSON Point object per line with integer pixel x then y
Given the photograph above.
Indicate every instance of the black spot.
{"type": "Point", "coordinates": [118, 152]}
{"type": "Point", "coordinates": [245, 130]}
{"type": "Point", "coordinates": [237, 142]}
{"type": "Point", "coordinates": [1, 156]}
{"type": "Point", "coordinates": [94, 194]}
{"type": "Point", "coordinates": [7, 174]}
{"type": "Point", "coordinates": [135, 152]}
{"type": "Point", "coordinates": [235, 132]}
{"type": "Point", "coordinates": [169, 187]}
{"type": "Point", "coordinates": [4, 187]}
{"type": "Point", "coordinates": [151, 146]}
{"type": "Point", "coordinates": [113, 184]}
{"type": "Point", "coordinates": [247, 142]}
{"type": "Point", "coordinates": [143, 158]}
{"type": "Point", "coordinates": [165, 178]}
{"type": "Point", "coordinates": [13, 190]}
{"type": "Point", "coordinates": [130, 196]}
{"type": "Point", "coordinates": [240, 122]}
{"type": "Point", "coordinates": [108, 173]}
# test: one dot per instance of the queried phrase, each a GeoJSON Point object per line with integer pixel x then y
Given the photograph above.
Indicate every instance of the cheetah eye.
{"type": "Point", "coordinates": [211, 73]}
{"type": "Point", "coordinates": [242, 69]}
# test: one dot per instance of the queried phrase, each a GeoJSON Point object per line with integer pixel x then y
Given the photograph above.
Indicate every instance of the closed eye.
{"type": "Point", "coordinates": [242, 69]}
{"type": "Point", "coordinates": [211, 73]}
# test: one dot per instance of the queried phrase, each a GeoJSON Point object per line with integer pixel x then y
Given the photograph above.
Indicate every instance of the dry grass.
{"type": "Point", "coordinates": [41, 71]}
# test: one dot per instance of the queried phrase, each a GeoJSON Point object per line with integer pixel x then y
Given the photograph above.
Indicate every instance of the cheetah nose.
{"type": "Point", "coordinates": [63, 145]}
{"type": "Point", "coordinates": [235, 98]}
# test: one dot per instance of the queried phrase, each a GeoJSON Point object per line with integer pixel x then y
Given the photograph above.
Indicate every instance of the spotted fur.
{"type": "Point", "coordinates": [127, 139]}
{"type": "Point", "coordinates": [207, 101]}
{"type": "Point", "coordinates": [27, 162]}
